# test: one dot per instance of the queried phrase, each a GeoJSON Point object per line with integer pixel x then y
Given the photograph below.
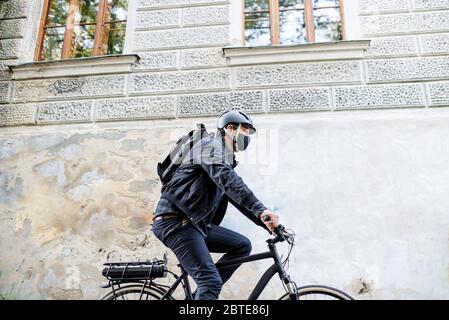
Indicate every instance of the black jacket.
{"type": "Point", "coordinates": [205, 181]}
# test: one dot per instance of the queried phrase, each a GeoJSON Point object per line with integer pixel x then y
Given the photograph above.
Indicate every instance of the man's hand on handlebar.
{"type": "Point", "coordinates": [270, 219]}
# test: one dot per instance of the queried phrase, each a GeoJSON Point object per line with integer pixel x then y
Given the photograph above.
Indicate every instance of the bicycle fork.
{"type": "Point", "coordinates": [292, 290]}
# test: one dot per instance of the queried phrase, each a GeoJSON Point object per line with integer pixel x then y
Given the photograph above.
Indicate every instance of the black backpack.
{"type": "Point", "coordinates": [178, 152]}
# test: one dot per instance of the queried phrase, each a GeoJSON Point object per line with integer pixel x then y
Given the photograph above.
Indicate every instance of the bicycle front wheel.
{"type": "Point", "coordinates": [134, 292]}
{"type": "Point", "coordinates": [317, 292]}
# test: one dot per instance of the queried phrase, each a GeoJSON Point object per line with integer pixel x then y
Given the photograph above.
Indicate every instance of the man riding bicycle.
{"type": "Point", "coordinates": [193, 203]}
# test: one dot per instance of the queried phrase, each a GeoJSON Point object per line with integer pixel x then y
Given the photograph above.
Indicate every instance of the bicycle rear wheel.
{"type": "Point", "coordinates": [317, 292]}
{"type": "Point", "coordinates": [134, 292]}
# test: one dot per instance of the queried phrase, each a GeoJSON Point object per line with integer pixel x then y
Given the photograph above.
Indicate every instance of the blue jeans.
{"type": "Point", "coordinates": [193, 252]}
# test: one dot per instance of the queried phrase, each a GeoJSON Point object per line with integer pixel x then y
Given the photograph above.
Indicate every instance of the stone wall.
{"type": "Point", "coordinates": [78, 153]}
{"type": "Point", "coordinates": [182, 70]}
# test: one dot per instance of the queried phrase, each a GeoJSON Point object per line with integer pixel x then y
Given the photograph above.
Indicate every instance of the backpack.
{"type": "Point", "coordinates": [178, 152]}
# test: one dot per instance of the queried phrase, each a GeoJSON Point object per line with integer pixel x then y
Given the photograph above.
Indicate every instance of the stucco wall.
{"type": "Point", "coordinates": [363, 178]}
{"type": "Point", "coordinates": [366, 193]}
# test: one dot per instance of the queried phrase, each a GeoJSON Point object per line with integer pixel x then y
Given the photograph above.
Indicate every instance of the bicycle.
{"type": "Point", "coordinates": [137, 280]}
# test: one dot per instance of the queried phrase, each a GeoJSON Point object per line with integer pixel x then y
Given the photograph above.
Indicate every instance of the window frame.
{"type": "Point", "coordinates": [68, 47]}
{"type": "Point", "coordinates": [273, 10]}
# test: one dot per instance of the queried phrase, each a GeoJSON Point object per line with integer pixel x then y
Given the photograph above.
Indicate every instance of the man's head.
{"type": "Point", "coordinates": [236, 128]}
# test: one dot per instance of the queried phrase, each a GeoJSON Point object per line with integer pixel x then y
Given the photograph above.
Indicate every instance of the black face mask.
{"type": "Point", "coordinates": [242, 142]}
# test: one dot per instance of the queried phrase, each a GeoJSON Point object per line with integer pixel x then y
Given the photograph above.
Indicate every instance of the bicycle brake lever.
{"type": "Point", "coordinates": [279, 231]}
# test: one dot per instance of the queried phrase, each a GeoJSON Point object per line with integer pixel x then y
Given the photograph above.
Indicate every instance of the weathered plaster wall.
{"type": "Point", "coordinates": [68, 200]}
{"type": "Point", "coordinates": [366, 193]}
{"type": "Point", "coordinates": [73, 200]}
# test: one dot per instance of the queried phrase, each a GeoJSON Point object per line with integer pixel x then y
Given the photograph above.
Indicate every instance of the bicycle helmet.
{"type": "Point", "coordinates": [234, 116]}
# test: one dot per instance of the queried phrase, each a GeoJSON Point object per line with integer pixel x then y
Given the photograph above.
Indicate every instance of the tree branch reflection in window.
{"type": "Point", "coordinates": [292, 21]}
{"type": "Point", "coordinates": [81, 28]}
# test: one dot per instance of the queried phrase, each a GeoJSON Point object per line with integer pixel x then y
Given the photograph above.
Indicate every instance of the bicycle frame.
{"type": "Point", "coordinates": [277, 267]}
{"type": "Point", "coordinates": [165, 291]}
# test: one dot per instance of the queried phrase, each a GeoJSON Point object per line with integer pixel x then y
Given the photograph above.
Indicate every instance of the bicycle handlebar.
{"type": "Point", "coordinates": [278, 231]}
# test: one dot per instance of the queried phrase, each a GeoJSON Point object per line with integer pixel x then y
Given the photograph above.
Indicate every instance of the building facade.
{"type": "Point", "coordinates": [351, 149]}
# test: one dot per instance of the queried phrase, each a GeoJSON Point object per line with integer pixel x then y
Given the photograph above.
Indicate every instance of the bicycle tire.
{"type": "Point", "coordinates": [134, 291]}
{"type": "Point", "coordinates": [320, 292]}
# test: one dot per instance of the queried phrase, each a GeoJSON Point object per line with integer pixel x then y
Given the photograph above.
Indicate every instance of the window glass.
{"type": "Point", "coordinates": [256, 5]}
{"type": "Point", "coordinates": [119, 10]}
{"type": "Point", "coordinates": [82, 40]}
{"type": "Point", "coordinates": [54, 38]}
{"type": "Point", "coordinates": [257, 23]}
{"type": "Point", "coordinates": [89, 11]}
{"type": "Point", "coordinates": [116, 38]}
{"type": "Point", "coordinates": [291, 4]}
{"type": "Point", "coordinates": [325, 3]}
{"type": "Point", "coordinates": [57, 13]}
{"type": "Point", "coordinates": [257, 29]}
{"type": "Point", "coordinates": [291, 22]}
{"type": "Point", "coordinates": [327, 25]}
{"type": "Point", "coordinates": [296, 24]}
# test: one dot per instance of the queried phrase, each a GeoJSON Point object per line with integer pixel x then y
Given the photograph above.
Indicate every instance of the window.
{"type": "Point", "coordinates": [292, 21]}
{"type": "Point", "coordinates": [81, 28]}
